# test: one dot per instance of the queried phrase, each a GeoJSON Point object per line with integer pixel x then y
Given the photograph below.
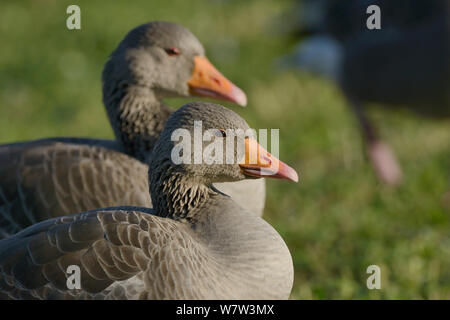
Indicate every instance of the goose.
{"type": "Point", "coordinates": [195, 243]}
{"type": "Point", "coordinates": [405, 64]}
{"type": "Point", "coordinates": [49, 177]}
{"type": "Point", "coordinates": [346, 19]}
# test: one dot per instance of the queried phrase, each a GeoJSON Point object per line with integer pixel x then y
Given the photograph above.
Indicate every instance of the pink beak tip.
{"type": "Point", "coordinates": [239, 96]}
{"type": "Point", "coordinates": [293, 175]}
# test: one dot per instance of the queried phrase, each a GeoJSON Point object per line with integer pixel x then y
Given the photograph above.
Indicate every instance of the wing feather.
{"type": "Point", "coordinates": [121, 252]}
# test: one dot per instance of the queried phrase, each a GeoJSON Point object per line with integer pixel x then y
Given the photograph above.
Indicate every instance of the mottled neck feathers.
{"type": "Point", "coordinates": [137, 118]}
{"type": "Point", "coordinates": [176, 196]}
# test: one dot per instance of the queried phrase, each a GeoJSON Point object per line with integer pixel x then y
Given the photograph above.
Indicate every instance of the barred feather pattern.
{"type": "Point", "coordinates": [171, 198]}
{"type": "Point", "coordinates": [45, 180]}
{"type": "Point", "coordinates": [129, 253]}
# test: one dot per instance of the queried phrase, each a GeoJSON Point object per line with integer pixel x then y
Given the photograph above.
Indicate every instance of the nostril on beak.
{"type": "Point", "coordinates": [268, 161]}
{"type": "Point", "coordinates": [217, 81]}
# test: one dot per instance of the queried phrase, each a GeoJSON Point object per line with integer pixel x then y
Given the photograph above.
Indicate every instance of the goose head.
{"type": "Point", "coordinates": [211, 143]}
{"type": "Point", "coordinates": [201, 144]}
{"type": "Point", "coordinates": [167, 60]}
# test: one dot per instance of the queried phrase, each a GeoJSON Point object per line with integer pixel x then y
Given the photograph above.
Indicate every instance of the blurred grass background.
{"type": "Point", "coordinates": [338, 219]}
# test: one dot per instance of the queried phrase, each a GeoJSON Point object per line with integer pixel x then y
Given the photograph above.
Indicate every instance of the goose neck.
{"type": "Point", "coordinates": [175, 195]}
{"type": "Point", "coordinates": [137, 117]}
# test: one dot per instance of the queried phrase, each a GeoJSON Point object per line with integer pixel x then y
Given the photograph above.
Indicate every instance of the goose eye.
{"type": "Point", "coordinates": [221, 133]}
{"type": "Point", "coordinates": [173, 51]}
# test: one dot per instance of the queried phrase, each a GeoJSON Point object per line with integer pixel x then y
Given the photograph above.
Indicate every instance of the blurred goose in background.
{"type": "Point", "coordinates": [406, 63]}
{"type": "Point", "coordinates": [196, 242]}
{"type": "Point", "coordinates": [346, 19]}
{"type": "Point", "coordinates": [58, 176]}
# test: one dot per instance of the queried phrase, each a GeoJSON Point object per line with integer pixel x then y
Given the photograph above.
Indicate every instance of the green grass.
{"type": "Point", "coordinates": [337, 220]}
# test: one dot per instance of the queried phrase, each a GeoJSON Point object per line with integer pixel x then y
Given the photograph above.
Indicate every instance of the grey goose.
{"type": "Point", "coordinates": [404, 64]}
{"type": "Point", "coordinates": [196, 242]}
{"type": "Point", "coordinates": [58, 176]}
{"type": "Point", "coordinates": [344, 20]}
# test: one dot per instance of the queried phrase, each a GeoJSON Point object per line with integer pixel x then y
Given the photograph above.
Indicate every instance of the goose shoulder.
{"type": "Point", "coordinates": [105, 143]}
{"type": "Point", "coordinates": [129, 253]}
{"type": "Point", "coordinates": [45, 179]}
{"type": "Point", "coordinates": [109, 246]}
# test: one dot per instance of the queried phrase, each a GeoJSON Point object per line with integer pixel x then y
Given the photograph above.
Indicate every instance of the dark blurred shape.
{"type": "Point", "coordinates": [345, 18]}
{"type": "Point", "coordinates": [405, 63]}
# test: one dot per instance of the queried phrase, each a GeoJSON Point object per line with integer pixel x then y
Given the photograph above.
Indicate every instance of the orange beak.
{"type": "Point", "coordinates": [207, 81]}
{"type": "Point", "coordinates": [258, 162]}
